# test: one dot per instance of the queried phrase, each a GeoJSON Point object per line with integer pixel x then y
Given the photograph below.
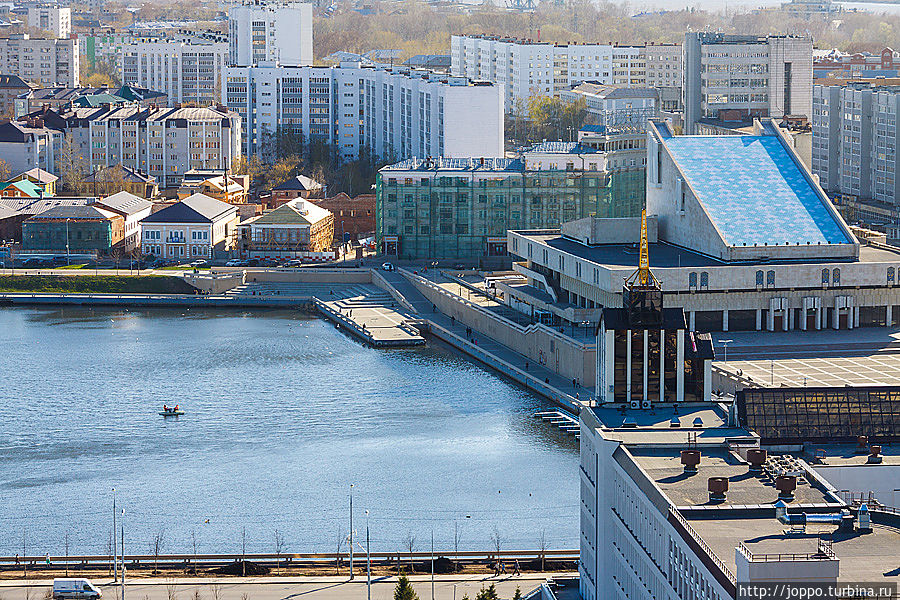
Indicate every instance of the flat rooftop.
{"type": "Point", "coordinates": [653, 426]}
{"type": "Point", "coordinates": [872, 557]}
{"type": "Point", "coordinates": [663, 465]}
{"type": "Point", "coordinates": [663, 255]}
{"type": "Point", "coordinates": [837, 371]}
{"type": "Point", "coordinates": [754, 190]}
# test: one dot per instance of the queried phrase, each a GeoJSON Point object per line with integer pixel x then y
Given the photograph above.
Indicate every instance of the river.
{"type": "Point", "coordinates": [283, 414]}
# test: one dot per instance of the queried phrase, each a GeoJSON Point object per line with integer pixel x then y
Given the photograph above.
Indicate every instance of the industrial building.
{"type": "Point", "coordinates": [462, 208]}
{"type": "Point", "coordinates": [740, 77]}
{"type": "Point", "coordinates": [391, 113]}
{"type": "Point", "coordinates": [741, 237]}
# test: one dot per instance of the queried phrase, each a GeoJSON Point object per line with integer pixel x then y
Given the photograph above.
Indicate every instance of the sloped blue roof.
{"type": "Point", "coordinates": [753, 190]}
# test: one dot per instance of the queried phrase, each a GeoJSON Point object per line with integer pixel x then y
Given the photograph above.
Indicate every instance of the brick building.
{"type": "Point", "coordinates": [353, 217]}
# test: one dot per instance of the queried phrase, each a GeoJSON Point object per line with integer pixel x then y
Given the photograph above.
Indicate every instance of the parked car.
{"type": "Point", "coordinates": [387, 266]}
{"type": "Point", "coordinates": [236, 263]}
{"type": "Point", "coordinates": [75, 588]}
{"type": "Point", "coordinates": [253, 262]}
{"type": "Point", "coordinates": [199, 263]}
{"type": "Point", "coordinates": [294, 263]}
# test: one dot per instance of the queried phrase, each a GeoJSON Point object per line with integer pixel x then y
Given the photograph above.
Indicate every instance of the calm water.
{"type": "Point", "coordinates": [283, 413]}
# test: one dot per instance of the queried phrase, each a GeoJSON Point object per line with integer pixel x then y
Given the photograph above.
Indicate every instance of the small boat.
{"type": "Point", "coordinates": [171, 412]}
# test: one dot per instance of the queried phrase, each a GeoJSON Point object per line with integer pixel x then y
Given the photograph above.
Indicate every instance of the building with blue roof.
{"type": "Point", "coordinates": [741, 237]}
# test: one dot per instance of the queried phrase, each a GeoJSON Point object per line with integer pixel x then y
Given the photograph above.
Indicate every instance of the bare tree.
{"type": "Point", "coordinates": [197, 595]}
{"type": "Point", "coordinates": [5, 172]}
{"type": "Point", "coordinates": [410, 544]}
{"type": "Point", "coordinates": [71, 166]}
{"type": "Point", "coordinates": [543, 544]}
{"type": "Point", "coordinates": [245, 596]}
{"type": "Point", "coordinates": [194, 544]}
{"type": "Point", "coordinates": [216, 590]}
{"type": "Point", "coordinates": [496, 540]}
{"type": "Point", "coordinates": [67, 554]}
{"type": "Point", "coordinates": [109, 550]}
{"type": "Point", "coordinates": [156, 543]}
{"type": "Point", "coordinates": [170, 589]}
{"type": "Point", "coordinates": [279, 546]}
{"type": "Point", "coordinates": [337, 560]}
{"type": "Point", "coordinates": [457, 536]}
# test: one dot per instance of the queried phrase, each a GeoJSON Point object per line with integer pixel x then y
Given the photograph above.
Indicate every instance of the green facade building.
{"type": "Point", "coordinates": [461, 208]}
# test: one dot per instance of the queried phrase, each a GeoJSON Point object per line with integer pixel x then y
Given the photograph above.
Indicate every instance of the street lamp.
{"type": "Point", "coordinates": [351, 531]}
{"type": "Point", "coordinates": [123, 555]}
{"type": "Point", "coordinates": [368, 562]}
{"type": "Point", "coordinates": [115, 545]}
{"type": "Point", "coordinates": [725, 346]}
{"type": "Point", "coordinates": [67, 263]}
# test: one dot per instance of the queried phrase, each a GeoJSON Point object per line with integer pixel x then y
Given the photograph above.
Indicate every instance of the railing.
{"type": "Point", "coordinates": [716, 566]}
{"type": "Point", "coordinates": [823, 553]}
{"type": "Point", "coordinates": [270, 558]}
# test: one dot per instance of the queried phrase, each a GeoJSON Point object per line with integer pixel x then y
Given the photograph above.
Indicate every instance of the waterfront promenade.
{"type": "Point", "coordinates": [446, 587]}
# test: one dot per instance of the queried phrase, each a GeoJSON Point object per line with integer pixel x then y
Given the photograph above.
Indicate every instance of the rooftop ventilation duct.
{"type": "Point", "coordinates": [691, 461]}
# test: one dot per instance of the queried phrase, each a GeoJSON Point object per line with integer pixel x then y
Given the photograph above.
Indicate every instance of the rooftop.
{"type": "Point", "coordinates": [863, 557]}
{"type": "Point", "coordinates": [74, 212]}
{"type": "Point", "coordinates": [749, 185]}
{"type": "Point", "coordinates": [458, 164]}
{"type": "Point", "coordinates": [125, 203]}
{"type": "Point", "coordinates": [196, 208]}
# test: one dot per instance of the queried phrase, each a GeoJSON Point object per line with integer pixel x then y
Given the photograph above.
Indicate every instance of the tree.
{"type": "Point", "coordinates": [71, 166]}
{"type": "Point", "coordinates": [518, 594]}
{"type": "Point", "coordinates": [542, 544]}
{"type": "Point", "coordinates": [5, 172]}
{"type": "Point", "coordinates": [279, 546]}
{"type": "Point", "coordinates": [194, 545]}
{"type": "Point", "coordinates": [403, 590]}
{"type": "Point", "coordinates": [410, 544]}
{"type": "Point", "coordinates": [496, 540]}
{"type": "Point", "coordinates": [156, 543]}
{"type": "Point", "coordinates": [488, 593]}
{"type": "Point", "coordinates": [457, 536]}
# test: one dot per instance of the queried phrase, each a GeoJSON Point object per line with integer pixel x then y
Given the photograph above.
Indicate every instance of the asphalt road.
{"type": "Point", "coordinates": [325, 588]}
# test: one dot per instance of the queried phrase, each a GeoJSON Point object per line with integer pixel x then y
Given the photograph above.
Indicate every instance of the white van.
{"type": "Point", "coordinates": [75, 588]}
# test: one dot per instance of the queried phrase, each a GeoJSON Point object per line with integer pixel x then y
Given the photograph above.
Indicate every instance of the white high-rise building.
{"type": "Point", "coordinates": [397, 113]}
{"type": "Point", "coordinates": [276, 32]}
{"type": "Point", "coordinates": [738, 77]}
{"type": "Point", "coordinates": [50, 63]}
{"type": "Point", "coordinates": [54, 19]}
{"type": "Point", "coordinates": [186, 70]}
{"type": "Point", "coordinates": [526, 67]}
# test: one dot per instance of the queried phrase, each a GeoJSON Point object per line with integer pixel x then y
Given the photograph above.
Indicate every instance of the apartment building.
{"type": "Point", "coordinates": [526, 67]}
{"type": "Point", "coordinates": [55, 19]}
{"type": "Point", "coordinates": [273, 32]}
{"type": "Point", "coordinates": [616, 106]}
{"type": "Point", "coordinates": [48, 62]}
{"type": "Point", "coordinates": [462, 208]}
{"type": "Point", "coordinates": [25, 145]}
{"type": "Point", "coordinates": [161, 142]}
{"type": "Point", "coordinates": [189, 69]}
{"type": "Point", "coordinates": [99, 46]}
{"type": "Point", "coordinates": [739, 77]}
{"type": "Point", "coordinates": [396, 113]}
{"type": "Point", "coordinates": [854, 150]}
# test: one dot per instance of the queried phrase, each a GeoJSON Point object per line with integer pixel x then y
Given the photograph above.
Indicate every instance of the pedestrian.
{"type": "Point", "coordinates": [526, 365]}
{"type": "Point", "coordinates": [516, 570]}
{"type": "Point", "coordinates": [502, 567]}
{"type": "Point", "coordinates": [574, 383]}
{"type": "Point", "coordinates": [17, 558]}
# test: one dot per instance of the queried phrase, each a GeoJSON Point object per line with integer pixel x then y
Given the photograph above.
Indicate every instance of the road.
{"type": "Point", "coordinates": [270, 588]}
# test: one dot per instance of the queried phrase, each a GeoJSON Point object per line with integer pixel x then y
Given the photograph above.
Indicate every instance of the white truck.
{"type": "Point", "coordinates": [75, 589]}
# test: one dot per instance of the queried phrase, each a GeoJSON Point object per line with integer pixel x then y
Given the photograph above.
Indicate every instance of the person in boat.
{"type": "Point", "coordinates": [175, 409]}
{"type": "Point", "coordinates": [165, 408]}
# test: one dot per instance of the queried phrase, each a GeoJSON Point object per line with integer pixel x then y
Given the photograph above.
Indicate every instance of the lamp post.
{"type": "Point", "coordinates": [725, 346]}
{"type": "Point", "coordinates": [368, 562]}
{"type": "Point", "coordinates": [115, 545]}
{"type": "Point", "coordinates": [67, 241]}
{"type": "Point", "coordinates": [351, 531]}
{"type": "Point", "coordinates": [123, 556]}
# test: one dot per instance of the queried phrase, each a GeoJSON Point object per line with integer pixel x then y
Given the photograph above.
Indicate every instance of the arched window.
{"type": "Point", "coordinates": [704, 280]}
{"type": "Point", "coordinates": [692, 279]}
{"type": "Point", "coordinates": [825, 274]}
{"type": "Point", "coordinates": [759, 278]}
{"type": "Point", "coordinates": [890, 274]}
{"type": "Point", "coordinates": [836, 276]}
{"type": "Point", "coordinates": [770, 278]}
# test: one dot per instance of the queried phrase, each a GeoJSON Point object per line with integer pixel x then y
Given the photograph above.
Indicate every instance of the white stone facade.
{"type": "Point", "coordinates": [184, 70]}
{"type": "Point", "coordinates": [52, 63]}
{"type": "Point", "coordinates": [54, 19]}
{"type": "Point", "coordinates": [276, 32]}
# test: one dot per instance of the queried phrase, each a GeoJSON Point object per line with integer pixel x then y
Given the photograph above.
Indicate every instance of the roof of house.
{"type": "Point", "coordinates": [300, 182]}
{"type": "Point", "coordinates": [34, 206]}
{"type": "Point", "coordinates": [613, 91]}
{"type": "Point", "coordinates": [85, 212]}
{"type": "Point", "coordinates": [197, 208]}
{"type": "Point", "coordinates": [562, 148]}
{"type": "Point", "coordinates": [24, 186]}
{"type": "Point", "coordinates": [295, 212]}
{"type": "Point", "coordinates": [128, 174]}
{"type": "Point", "coordinates": [14, 81]}
{"type": "Point", "coordinates": [40, 175]}
{"type": "Point", "coordinates": [125, 203]}
{"type": "Point", "coordinates": [98, 100]}
{"type": "Point", "coordinates": [754, 191]}
{"type": "Point", "coordinates": [18, 133]}
{"type": "Point", "coordinates": [432, 61]}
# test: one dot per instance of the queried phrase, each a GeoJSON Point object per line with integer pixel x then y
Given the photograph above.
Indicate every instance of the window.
{"type": "Point", "coordinates": [704, 280]}
{"type": "Point", "coordinates": [825, 276]}
{"type": "Point", "coordinates": [836, 277]}
{"type": "Point", "coordinates": [759, 279]}
{"type": "Point", "coordinates": [692, 279]}
{"type": "Point", "coordinates": [770, 278]}
{"type": "Point", "coordinates": [890, 274]}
